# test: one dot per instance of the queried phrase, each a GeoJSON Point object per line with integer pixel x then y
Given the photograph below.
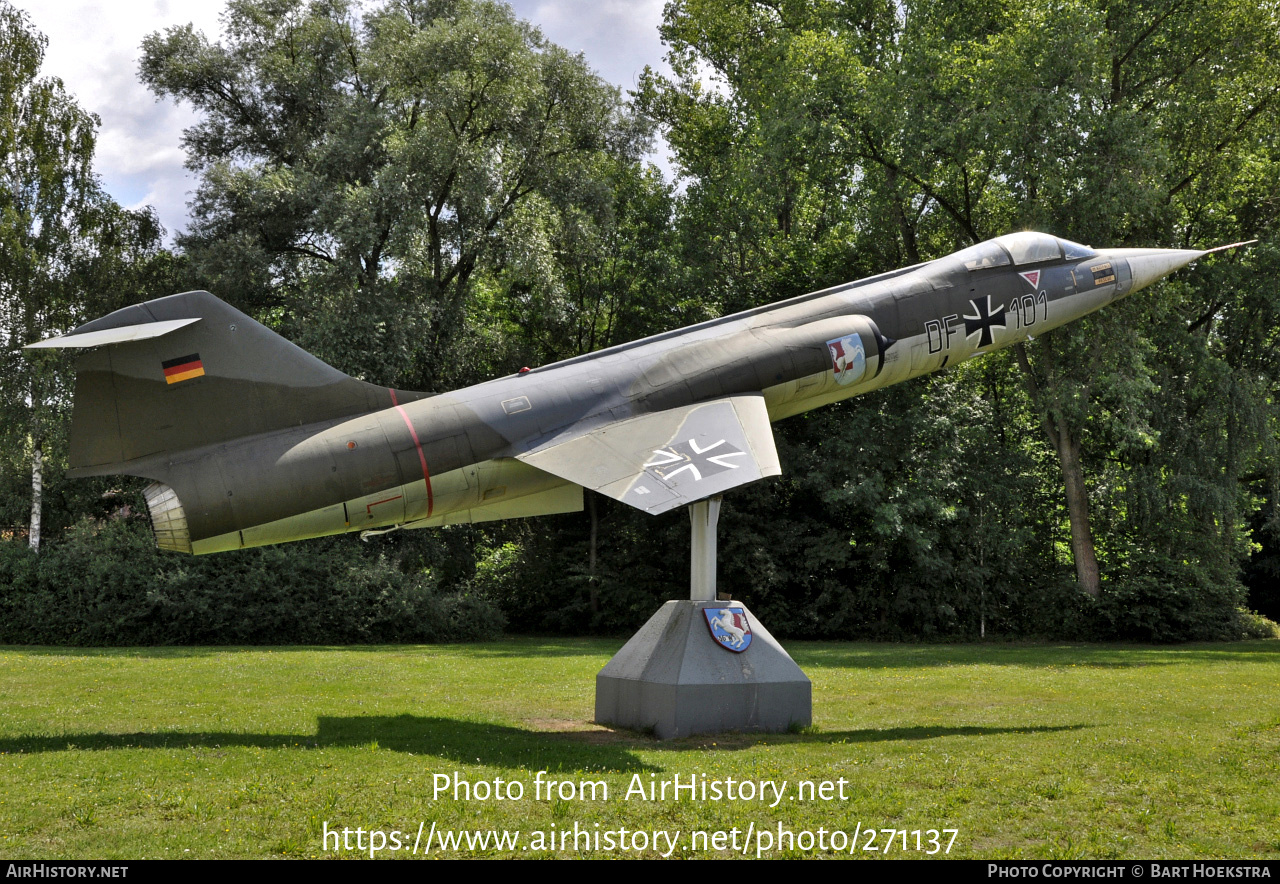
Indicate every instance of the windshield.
{"type": "Point", "coordinates": [1075, 250]}
{"type": "Point", "coordinates": [1025, 247]}
{"type": "Point", "coordinates": [984, 254]}
{"type": "Point", "coordinates": [1029, 247]}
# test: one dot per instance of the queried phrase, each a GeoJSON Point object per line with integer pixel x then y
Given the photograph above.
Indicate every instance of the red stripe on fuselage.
{"type": "Point", "coordinates": [368, 507]}
{"type": "Point", "coordinates": [394, 400]}
{"type": "Point", "coordinates": [422, 458]}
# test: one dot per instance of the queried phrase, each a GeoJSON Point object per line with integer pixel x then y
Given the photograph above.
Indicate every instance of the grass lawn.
{"type": "Point", "coordinates": [1041, 751]}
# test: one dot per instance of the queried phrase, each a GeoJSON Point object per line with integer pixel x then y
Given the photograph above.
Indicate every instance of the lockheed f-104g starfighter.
{"type": "Point", "coordinates": [249, 440]}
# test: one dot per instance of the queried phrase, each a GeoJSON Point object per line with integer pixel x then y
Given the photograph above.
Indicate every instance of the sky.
{"type": "Point", "coordinates": [94, 47]}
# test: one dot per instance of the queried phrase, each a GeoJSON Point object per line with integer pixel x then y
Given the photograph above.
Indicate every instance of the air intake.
{"type": "Point", "coordinates": [168, 521]}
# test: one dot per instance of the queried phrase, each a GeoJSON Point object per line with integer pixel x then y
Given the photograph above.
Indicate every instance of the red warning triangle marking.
{"type": "Point", "coordinates": [1031, 276]}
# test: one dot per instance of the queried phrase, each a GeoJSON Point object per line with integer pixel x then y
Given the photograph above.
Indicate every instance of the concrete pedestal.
{"type": "Point", "coordinates": [674, 677]}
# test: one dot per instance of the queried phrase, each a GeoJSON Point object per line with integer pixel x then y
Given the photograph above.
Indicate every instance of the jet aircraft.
{"type": "Point", "coordinates": [250, 440]}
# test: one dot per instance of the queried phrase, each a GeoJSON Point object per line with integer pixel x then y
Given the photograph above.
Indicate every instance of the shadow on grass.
{"type": "Point", "coordinates": [526, 647]}
{"type": "Point", "coordinates": [842, 655]}
{"type": "Point", "coordinates": [465, 742]}
{"type": "Point", "coordinates": [736, 741]}
{"type": "Point", "coordinates": [518, 646]}
{"type": "Point", "coordinates": [166, 652]}
{"type": "Point", "coordinates": [927, 732]}
{"type": "Point", "coordinates": [836, 655]}
{"type": "Point", "coordinates": [809, 654]}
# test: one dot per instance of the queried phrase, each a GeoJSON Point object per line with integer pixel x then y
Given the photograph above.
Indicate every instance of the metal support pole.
{"type": "Point", "coordinates": [702, 560]}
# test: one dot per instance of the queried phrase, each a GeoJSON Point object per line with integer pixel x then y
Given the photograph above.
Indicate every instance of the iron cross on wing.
{"type": "Point", "coordinates": [677, 457]}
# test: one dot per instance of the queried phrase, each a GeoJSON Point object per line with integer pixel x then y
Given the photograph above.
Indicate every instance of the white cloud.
{"type": "Point", "coordinates": [618, 37]}
{"type": "Point", "coordinates": [94, 48]}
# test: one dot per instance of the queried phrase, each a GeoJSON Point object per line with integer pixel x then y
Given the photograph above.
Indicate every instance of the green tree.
{"type": "Point", "coordinates": [909, 130]}
{"type": "Point", "coordinates": [62, 243]}
{"type": "Point", "coordinates": [360, 173]}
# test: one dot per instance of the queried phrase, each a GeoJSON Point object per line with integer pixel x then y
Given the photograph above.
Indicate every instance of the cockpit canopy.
{"type": "Point", "coordinates": [1025, 247]}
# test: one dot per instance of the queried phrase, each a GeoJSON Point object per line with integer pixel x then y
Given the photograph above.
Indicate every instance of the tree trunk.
{"type": "Point", "coordinates": [1082, 550]}
{"type": "Point", "coordinates": [1067, 444]}
{"type": "Point", "coordinates": [904, 225]}
{"type": "Point", "coordinates": [37, 492]}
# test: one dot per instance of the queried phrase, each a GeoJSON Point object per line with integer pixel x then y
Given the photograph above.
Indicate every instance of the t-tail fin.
{"type": "Point", "coordinates": [188, 371]}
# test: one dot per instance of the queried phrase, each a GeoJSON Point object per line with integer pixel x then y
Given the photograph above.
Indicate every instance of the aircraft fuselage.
{"type": "Point", "coordinates": [527, 443]}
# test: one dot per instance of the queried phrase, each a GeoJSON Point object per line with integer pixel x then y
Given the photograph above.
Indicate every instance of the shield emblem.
{"type": "Point", "coordinates": [729, 627]}
{"type": "Point", "coordinates": [848, 358]}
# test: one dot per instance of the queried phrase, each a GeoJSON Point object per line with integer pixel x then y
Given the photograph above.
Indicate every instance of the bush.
{"type": "Point", "coordinates": [1251, 624]}
{"type": "Point", "coordinates": [105, 583]}
{"type": "Point", "coordinates": [1150, 608]}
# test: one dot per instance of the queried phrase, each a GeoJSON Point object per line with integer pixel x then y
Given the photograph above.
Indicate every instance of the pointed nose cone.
{"type": "Point", "coordinates": [1150, 265]}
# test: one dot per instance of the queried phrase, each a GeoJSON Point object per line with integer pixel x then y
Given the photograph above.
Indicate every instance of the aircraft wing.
{"type": "Point", "coordinates": [657, 462]}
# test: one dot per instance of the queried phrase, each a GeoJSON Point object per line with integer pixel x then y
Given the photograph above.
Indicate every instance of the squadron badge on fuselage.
{"type": "Point", "coordinates": [848, 359]}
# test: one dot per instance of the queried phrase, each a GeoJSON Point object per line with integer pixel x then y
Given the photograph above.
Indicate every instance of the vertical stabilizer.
{"type": "Point", "coordinates": [188, 371]}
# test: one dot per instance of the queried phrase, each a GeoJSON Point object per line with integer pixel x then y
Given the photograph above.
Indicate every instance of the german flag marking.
{"type": "Point", "coordinates": [184, 368]}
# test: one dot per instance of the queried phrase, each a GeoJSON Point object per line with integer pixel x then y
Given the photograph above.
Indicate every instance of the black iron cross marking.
{"type": "Point", "coordinates": [983, 322]}
{"type": "Point", "coordinates": [699, 462]}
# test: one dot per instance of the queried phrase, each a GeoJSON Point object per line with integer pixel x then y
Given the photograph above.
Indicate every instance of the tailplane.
{"type": "Point", "coordinates": [188, 371]}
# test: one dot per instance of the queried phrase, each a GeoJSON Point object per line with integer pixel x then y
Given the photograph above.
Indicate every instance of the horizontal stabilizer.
{"type": "Point", "coordinates": [114, 335]}
{"type": "Point", "coordinates": [657, 462]}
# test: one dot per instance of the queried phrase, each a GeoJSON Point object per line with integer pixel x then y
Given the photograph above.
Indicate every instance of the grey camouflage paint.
{"type": "Point", "coordinates": [258, 442]}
